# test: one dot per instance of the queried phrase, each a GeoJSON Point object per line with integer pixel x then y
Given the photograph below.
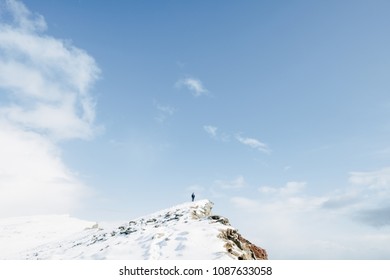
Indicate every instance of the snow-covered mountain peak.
{"type": "Point", "coordinates": [185, 231]}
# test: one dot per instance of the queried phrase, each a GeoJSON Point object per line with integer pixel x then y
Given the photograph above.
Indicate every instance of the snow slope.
{"type": "Point", "coordinates": [186, 231]}
{"type": "Point", "coordinates": [23, 233]}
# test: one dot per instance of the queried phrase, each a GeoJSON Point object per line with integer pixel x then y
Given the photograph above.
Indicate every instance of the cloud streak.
{"type": "Point", "coordinates": [254, 144]}
{"type": "Point", "coordinates": [375, 179]}
{"type": "Point", "coordinates": [195, 86]}
{"type": "Point", "coordinates": [48, 84]}
{"type": "Point", "coordinates": [164, 111]}
{"type": "Point", "coordinates": [216, 134]}
{"type": "Point", "coordinates": [211, 130]}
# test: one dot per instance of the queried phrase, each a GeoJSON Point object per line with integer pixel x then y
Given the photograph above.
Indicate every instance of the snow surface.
{"type": "Point", "coordinates": [181, 232]}
{"type": "Point", "coordinates": [23, 233]}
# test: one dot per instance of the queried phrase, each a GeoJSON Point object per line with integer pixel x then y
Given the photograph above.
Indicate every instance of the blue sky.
{"type": "Point", "coordinates": [277, 111]}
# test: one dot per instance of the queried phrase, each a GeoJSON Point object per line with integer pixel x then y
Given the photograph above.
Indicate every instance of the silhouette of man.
{"type": "Point", "coordinates": [193, 197]}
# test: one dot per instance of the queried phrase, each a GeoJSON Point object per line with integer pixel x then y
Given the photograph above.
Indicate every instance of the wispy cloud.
{"type": "Point", "coordinates": [192, 84]}
{"type": "Point", "coordinates": [24, 18]}
{"type": "Point", "coordinates": [211, 130]}
{"type": "Point", "coordinates": [376, 179]}
{"type": "Point", "coordinates": [164, 111]}
{"type": "Point", "coordinates": [254, 144]}
{"type": "Point", "coordinates": [49, 82]}
{"type": "Point", "coordinates": [215, 134]}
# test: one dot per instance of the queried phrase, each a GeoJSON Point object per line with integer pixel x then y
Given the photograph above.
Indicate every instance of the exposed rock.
{"type": "Point", "coordinates": [219, 219]}
{"type": "Point", "coordinates": [236, 245]}
{"type": "Point", "coordinates": [201, 212]}
{"type": "Point", "coordinates": [240, 247]}
{"type": "Point", "coordinates": [151, 221]}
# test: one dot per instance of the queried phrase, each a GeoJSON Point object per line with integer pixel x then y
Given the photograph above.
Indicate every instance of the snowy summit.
{"type": "Point", "coordinates": [185, 231]}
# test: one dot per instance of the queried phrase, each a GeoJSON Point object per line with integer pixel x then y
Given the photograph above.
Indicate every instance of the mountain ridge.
{"type": "Point", "coordinates": [185, 231]}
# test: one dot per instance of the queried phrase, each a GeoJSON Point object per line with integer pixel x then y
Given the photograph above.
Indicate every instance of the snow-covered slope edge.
{"type": "Point", "coordinates": [186, 231]}
{"type": "Point", "coordinates": [18, 234]}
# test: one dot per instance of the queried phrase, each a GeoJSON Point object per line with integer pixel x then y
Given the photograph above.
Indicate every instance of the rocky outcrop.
{"type": "Point", "coordinates": [201, 211]}
{"type": "Point", "coordinates": [235, 244]}
{"type": "Point", "coordinates": [219, 219]}
{"type": "Point", "coordinates": [240, 247]}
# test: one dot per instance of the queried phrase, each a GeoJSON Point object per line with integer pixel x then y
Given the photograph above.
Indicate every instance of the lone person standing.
{"type": "Point", "coordinates": [193, 197]}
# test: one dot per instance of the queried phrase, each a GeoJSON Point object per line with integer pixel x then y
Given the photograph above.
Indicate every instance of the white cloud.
{"type": "Point", "coordinates": [254, 143]}
{"type": "Point", "coordinates": [166, 109]}
{"type": "Point", "coordinates": [211, 130]}
{"type": "Point", "coordinates": [48, 83]}
{"type": "Point", "coordinates": [376, 179]}
{"type": "Point", "coordinates": [23, 18]}
{"type": "Point", "coordinates": [214, 133]}
{"type": "Point", "coordinates": [45, 76]}
{"type": "Point", "coordinates": [193, 85]}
